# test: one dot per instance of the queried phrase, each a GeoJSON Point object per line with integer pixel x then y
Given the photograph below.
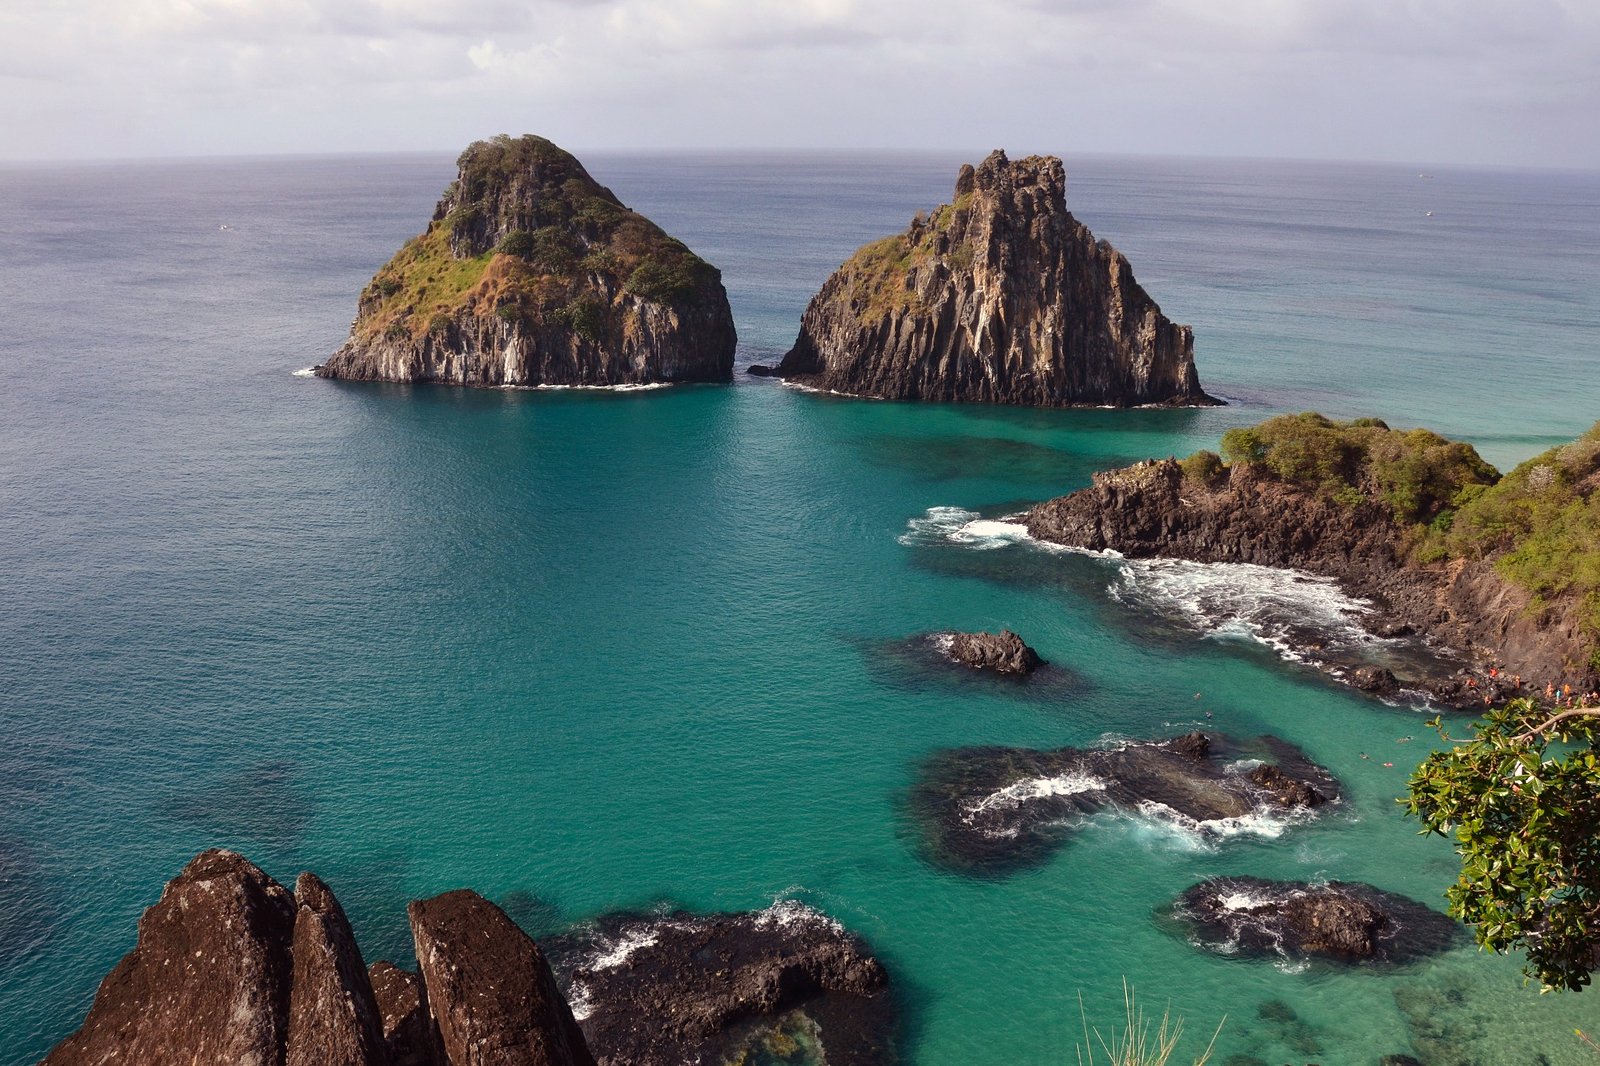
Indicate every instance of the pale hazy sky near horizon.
{"type": "Point", "coordinates": [1513, 82]}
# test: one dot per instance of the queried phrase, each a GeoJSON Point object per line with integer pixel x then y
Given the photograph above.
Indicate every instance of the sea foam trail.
{"type": "Point", "coordinates": [1285, 610]}
{"type": "Point", "coordinates": [308, 372]}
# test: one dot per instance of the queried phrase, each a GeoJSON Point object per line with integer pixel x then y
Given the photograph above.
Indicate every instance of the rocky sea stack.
{"type": "Point", "coordinates": [532, 273]}
{"type": "Point", "coordinates": [1000, 296]}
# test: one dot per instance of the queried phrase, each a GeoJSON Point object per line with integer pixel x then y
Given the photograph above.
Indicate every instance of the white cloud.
{"type": "Point", "coordinates": [1469, 80]}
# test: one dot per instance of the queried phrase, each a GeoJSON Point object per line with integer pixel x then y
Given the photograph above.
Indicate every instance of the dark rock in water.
{"type": "Point", "coordinates": [533, 914]}
{"type": "Point", "coordinates": [208, 980]}
{"type": "Point", "coordinates": [407, 1033]}
{"type": "Point", "coordinates": [1338, 921]}
{"type": "Point", "coordinates": [333, 1017]}
{"type": "Point", "coordinates": [760, 371]}
{"type": "Point", "coordinates": [665, 989]}
{"type": "Point", "coordinates": [1399, 1060]}
{"type": "Point", "coordinates": [532, 273]}
{"type": "Point", "coordinates": [1376, 680]}
{"type": "Point", "coordinates": [1002, 652]}
{"type": "Point", "coordinates": [995, 809]}
{"type": "Point", "coordinates": [489, 992]}
{"type": "Point", "coordinates": [998, 297]}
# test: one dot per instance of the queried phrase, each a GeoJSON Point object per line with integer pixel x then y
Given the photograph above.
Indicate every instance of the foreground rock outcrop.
{"type": "Point", "coordinates": [1001, 653]}
{"type": "Point", "coordinates": [998, 297]}
{"type": "Point", "coordinates": [231, 968]}
{"type": "Point", "coordinates": [1337, 921]}
{"type": "Point", "coordinates": [1513, 639]}
{"type": "Point", "coordinates": [532, 273]}
{"type": "Point", "coordinates": [665, 989]}
{"type": "Point", "coordinates": [993, 810]}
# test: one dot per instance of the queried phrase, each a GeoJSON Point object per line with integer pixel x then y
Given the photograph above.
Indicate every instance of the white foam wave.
{"type": "Point", "coordinates": [616, 952]}
{"type": "Point", "coordinates": [308, 372]}
{"type": "Point", "coordinates": [1282, 609]}
{"type": "Point", "coordinates": [787, 913]}
{"type": "Point", "coordinates": [1071, 783]}
{"type": "Point", "coordinates": [639, 387]}
{"type": "Point", "coordinates": [956, 525]}
{"type": "Point", "coordinates": [1267, 825]}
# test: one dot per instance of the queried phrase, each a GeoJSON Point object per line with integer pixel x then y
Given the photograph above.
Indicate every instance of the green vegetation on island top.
{"type": "Point", "coordinates": [1539, 525]}
{"type": "Point", "coordinates": [525, 234]}
{"type": "Point", "coordinates": [879, 273]}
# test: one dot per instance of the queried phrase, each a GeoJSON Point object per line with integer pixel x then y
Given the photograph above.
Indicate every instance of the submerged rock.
{"type": "Point", "coordinates": [1002, 652]}
{"type": "Point", "coordinates": [1337, 921]}
{"type": "Point", "coordinates": [489, 991]}
{"type": "Point", "coordinates": [532, 273]}
{"type": "Point", "coordinates": [208, 980]}
{"type": "Point", "coordinates": [993, 809]}
{"type": "Point", "coordinates": [1000, 296]}
{"type": "Point", "coordinates": [665, 989]}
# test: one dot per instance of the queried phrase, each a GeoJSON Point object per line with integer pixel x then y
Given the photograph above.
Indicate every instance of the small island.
{"type": "Point", "coordinates": [999, 296]}
{"type": "Point", "coordinates": [531, 273]}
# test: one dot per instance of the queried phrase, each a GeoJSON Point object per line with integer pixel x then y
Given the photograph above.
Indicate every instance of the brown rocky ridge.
{"type": "Point", "coordinates": [532, 273]}
{"type": "Point", "coordinates": [1000, 296]}
{"type": "Point", "coordinates": [1487, 568]}
{"type": "Point", "coordinates": [230, 967]}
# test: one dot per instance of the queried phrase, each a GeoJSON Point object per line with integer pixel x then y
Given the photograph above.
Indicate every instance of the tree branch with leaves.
{"type": "Point", "coordinates": [1521, 800]}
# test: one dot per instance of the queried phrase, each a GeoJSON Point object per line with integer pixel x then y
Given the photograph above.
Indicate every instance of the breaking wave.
{"type": "Point", "coordinates": [956, 525]}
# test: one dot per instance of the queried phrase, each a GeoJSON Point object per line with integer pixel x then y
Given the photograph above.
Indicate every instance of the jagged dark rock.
{"type": "Point", "coordinates": [998, 297]}
{"type": "Point", "coordinates": [1377, 680]}
{"type": "Point", "coordinates": [489, 991]}
{"type": "Point", "coordinates": [333, 1017]}
{"type": "Point", "coordinates": [1337, 921]}
{"type": "Point", "coordinates": [532, 273]}
{"type": "Point", "coordinates": [1002, 652]}
{"type": "Point", "coordinates": [407, 1032]}
{"type": "Point", "coordinates": [208, 980]}
{"type": "Point", "coordinates": [993, 810]}
{"type": "Point", "coordinates": [1246, 515]}
{"type": "Point", "coordinates": [664, 989]}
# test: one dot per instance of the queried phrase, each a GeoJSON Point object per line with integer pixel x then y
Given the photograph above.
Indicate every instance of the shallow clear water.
{"type": "Point", "coordinates": [617, 649]}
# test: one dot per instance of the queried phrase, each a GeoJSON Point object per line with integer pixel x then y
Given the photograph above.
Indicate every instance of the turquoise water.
{"type": "Point", "coordinates": [618, 649]}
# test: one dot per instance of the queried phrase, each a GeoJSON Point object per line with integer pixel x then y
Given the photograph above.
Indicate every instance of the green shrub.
{"type": "Point", "coordinates": [518, 242]}
{"type": "Point", "coordinates": [669, 276]}
{"type": "Point", "coordinates": [1203, 468]}
{"type": "Point", "coordinates": [586, 317]}
{"type": "Point", "coordinates": [1243, 446]}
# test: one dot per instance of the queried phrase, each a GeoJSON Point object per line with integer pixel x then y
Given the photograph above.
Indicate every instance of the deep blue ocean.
{"type": "Point", "coordinates": [614, 650]}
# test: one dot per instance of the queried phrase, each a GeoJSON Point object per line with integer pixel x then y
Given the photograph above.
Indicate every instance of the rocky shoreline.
{"type": "Point", "coordinates": [231, 967]}
{"type": "Point", "coordinates": [1512, 644]}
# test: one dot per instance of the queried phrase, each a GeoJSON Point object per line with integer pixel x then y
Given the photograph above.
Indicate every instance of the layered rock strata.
{"type": "Point", "coordinates": [1247, 516]}
{"type": "Point", "coordinates": [1337, 921]}
{"type": "Point", "coordinates": [532, 273]}
{"type": "Point", "coordinates": [1000, 296]}
{"type": "Point", "coordinates": [994, 810]}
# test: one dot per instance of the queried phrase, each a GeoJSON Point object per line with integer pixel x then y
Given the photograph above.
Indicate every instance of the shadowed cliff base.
{"type": "Point", "coordinates": [1000, 296]}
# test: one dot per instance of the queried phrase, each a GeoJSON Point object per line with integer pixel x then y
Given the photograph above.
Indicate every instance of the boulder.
{"type": "Point", "coordinates": [1002, 653]}
{"type": "Point", "coordinates": [490, 995]}
{"type": "Point", "coordinates": [207, 981]}
{"type": "Point", "coordinates": [333, 1017]}
{"type": "Point", "coordinates": [407, 1031]}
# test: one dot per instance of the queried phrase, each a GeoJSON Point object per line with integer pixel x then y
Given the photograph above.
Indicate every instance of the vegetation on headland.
{"type": "Point", "coordinates": [1538, 525]}
{"type": "Point", "coordinates": [526, 235]}
{"type": "Point", "coordinates": [880, 275]}
{"type": "Point", "coordinates": [1521, 799]}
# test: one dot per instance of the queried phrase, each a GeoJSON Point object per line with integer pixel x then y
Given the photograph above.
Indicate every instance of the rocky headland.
{"type": "Point", "coordinates": [532, 273]}
{"type": "Point", "coordinates": [1294, 920]}
{"type": "Point", "coordinates": [1000, 296]}
{"type": "Point", "coordinates": [231, 967]}
{"type": "Point", "coordinates": [1497, 570]}
{"type": "Point", "coordinates": [995, 810]}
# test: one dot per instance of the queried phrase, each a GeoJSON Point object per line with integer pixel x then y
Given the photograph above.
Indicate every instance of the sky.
{"type": "Point", "coordinates": [1502, 82]}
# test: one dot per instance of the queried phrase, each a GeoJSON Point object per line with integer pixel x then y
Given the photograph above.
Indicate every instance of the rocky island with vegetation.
{"type": "Point", "coordinates": [1504, 571]}
{"type": "Point", "coordinates": [999, 296]}
{"type": "Point", "coordinates": [532, 273]}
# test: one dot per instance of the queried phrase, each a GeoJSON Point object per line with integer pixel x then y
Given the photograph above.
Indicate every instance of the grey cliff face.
{"type": "Point", "coordinates": [999, 297]}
